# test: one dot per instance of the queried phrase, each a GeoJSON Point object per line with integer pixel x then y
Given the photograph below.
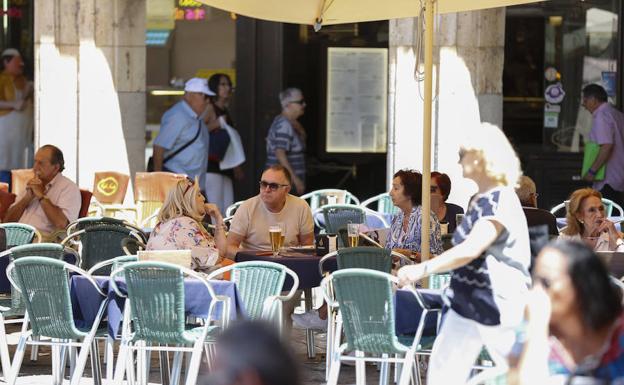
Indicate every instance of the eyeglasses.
{"type": "Point", "coordinates": [433, 188]}
{"type": "Point", "coordinates": [301, 102]}
{"type": "Point", "coordinates": [190, 183]}
{"type": "Point", "coordinates": [271, 186]}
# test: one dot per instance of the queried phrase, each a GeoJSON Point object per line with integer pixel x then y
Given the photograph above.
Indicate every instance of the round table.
{"type": "Point", "coordinates": [305, 265]}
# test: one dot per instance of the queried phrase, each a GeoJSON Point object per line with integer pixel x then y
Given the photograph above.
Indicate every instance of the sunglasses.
{"type": "Point", "coordinates": [190, 183]}
{"type": "Point", "coordinates": [301, 102]}
{"type": "Point", "coordinates": [271, 186]}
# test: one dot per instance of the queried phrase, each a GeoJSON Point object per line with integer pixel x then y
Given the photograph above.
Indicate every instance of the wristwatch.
{"type": "Point", "coordinates": [43, 197]}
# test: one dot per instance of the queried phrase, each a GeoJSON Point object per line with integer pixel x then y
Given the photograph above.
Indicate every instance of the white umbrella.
{"type": "Point", "coordinates": [319, 12]}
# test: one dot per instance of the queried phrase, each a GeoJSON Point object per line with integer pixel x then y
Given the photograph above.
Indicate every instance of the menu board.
{"type": "Point", "coordinates": [357, 92]}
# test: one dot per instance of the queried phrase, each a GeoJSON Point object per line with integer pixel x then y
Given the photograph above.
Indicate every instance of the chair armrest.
{"type": "Point", "coordinates": [325, 258]}
{"type": "Point", "coordinates": [146, 220]}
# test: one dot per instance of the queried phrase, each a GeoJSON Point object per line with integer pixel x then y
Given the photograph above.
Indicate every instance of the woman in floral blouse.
{"type": "Point", "coordinates": [179, 227]}
{"type": "Point", "coordinates": [404, 237]}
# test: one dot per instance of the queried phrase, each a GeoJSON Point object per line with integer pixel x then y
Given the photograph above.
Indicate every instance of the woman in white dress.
{"type": "Point", "coordinates": [15, 112]}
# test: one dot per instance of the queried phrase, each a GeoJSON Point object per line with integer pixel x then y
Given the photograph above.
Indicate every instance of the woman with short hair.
{"type": "Point", "coordinates": [489, 262]}
{"type": "Point", "coordinates": [179, 227]}
{"type": "Point", "coordinates": [587, 222]}
{"type": "Point", "coordinates": [440, 191]}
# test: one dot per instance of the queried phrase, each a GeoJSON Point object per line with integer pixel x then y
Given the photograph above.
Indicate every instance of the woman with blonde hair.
{"type": "Point", "coordinates": [179, 227]}
{"type": "Point", "coordinates": [587, 222]}
{"type": "Point", "coordinates": [489, 262]}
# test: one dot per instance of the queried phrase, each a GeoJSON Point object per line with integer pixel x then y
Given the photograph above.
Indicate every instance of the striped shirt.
{"type": "Point", "coordinates": [282, 135]}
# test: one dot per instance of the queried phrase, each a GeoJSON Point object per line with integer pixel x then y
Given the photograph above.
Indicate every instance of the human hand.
{"type": "Point", "coordinates": [35, 185]}
{"type": "Point", "coordinates": [538, 308]}
{"type": "Point", "coordinates": [299, 185]}
{"type": "Point", "coordinates": [588, 177]}
{"type": "Point", "coordinates": [212, 210]}
{"type": "Point", "coordinates": [409, 274]}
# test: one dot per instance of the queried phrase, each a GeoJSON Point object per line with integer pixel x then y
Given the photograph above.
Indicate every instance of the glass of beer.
{"type": "Point", "coordinates": [353, 231]}
{"type": "Point", "coordinates": [275, 236]}
{"type": "Point", "coordinates": [283, 237]}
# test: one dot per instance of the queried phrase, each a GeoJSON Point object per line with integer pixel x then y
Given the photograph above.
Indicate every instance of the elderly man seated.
{"type": "Point", "coordinates": [273, 205]}
{"type": "Point", "coordinates": [527, 194]}
{"type": "Point", "coordinates": [50, 201]}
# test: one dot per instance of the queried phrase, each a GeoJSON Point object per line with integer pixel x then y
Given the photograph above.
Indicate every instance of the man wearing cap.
{"type": "Point", "coordinates": [182, 143]}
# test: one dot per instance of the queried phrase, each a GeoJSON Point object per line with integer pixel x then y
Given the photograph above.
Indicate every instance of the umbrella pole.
{"type": "Point", "coordinates": [428, 99]}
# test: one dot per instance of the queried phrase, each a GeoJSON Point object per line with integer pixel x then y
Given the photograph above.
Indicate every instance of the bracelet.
{"type": "Point", "coordinates": [42, 198]}
{"type": "Point", "coordinates": [592, 172]}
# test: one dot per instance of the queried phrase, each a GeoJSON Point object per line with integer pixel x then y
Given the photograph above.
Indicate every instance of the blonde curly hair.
{"type": "Point", "coordinates": [499, 157]}
{"type": "Point", "coordinates": [181, 202]}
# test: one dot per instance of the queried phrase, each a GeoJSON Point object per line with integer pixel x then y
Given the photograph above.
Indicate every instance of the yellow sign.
{"type": "Point", "coordinates": [206, 73]}
{"type": "Point", "coordinates": [160, 14]}
{"type": "Point", "coordinates": [108, 186]}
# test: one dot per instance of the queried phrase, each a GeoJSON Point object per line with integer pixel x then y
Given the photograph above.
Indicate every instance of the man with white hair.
{"type": "Point", "coordinates": [286, 138]}
{"type": "Point", "coordinates": [535, 216]}
{"type": "Point", "coordinates": [182, 142]}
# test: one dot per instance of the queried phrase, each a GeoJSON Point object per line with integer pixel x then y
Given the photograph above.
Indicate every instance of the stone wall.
{"type": "Point", "coordinates": [90, 84]}
{"type": "Point", "coordinates": [468, 60]}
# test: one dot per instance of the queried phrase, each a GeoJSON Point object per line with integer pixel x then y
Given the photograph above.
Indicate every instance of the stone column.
{"type": "Point", "coordinates": [90, 84]}
{"type": "Point", "coordinates": [468, 60]}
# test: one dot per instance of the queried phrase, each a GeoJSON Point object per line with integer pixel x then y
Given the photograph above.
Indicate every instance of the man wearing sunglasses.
{"type": "Point", "coordinates": [250, 226]}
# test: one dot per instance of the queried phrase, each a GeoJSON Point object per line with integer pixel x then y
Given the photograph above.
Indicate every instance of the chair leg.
{"type": "Point", "coordinates": [82, 358]}
{"type": "Point", "coordinates": [34, 351]}
{"type": "Point", "coordinates": [164, 367]}
{"type": "Point", "coordinates": [96, 368]}
{"type": "Point", "coordinates": [122, 362]}
{"type": "Point", "coordinates": [5, 359]}
{"type": "Point", "coordinates": [330, 341]}
{"type": "Point", "coordinates": [417, 370]}
{"type": "Point", "coordinates": [109, 357]}
{"type": "Point", "coordinates": [383, 372]}
{"type": "Point", "coordinates": [56, 364]}
{"type": "Point", "coordinates": [17, 359]}
{"type": "Point", "coordinates": [360, 369]}
{"type": "Point", "coordinates": [176, 368]}
{"type": "Point", "coordinates": [406, 369]}
{"type": "Point", "coordinates": [192, 369]}
{"type": "Point", "coordinates": [334, 370]}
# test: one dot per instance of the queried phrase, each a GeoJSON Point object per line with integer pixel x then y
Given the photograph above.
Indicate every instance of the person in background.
{"type": "Point", "coordinates": [179, 227]}
{"type": "Point", "coordinates": [183, 125]}
{"type": "Point", "coordinates": [50, 201]}
{"type": "Point", "coordinates": [446, 212]}
{"type": "Point", "coordinates": [250, 226]}
{"type": "Point", "coordinates": [405, 229]}
{"type": "Point", "coordinates": [586, 221]}
{"type": "Point", "coordinates": [286, 138]}
{"type": "Point", "coordinates": [252, 353]}
{"type": "Point", "coordinates": [219, 188]}
{"type": "Point", "coordinates": [15, 115]}
{"type": "Point", "coordinates": [527, 194]}
{"type": "Point", "coordinates": [575, 328]}
{"type": "Point", "coordinates": [608, 132]}
{"type": "Point", "coordinates": [489, 262]}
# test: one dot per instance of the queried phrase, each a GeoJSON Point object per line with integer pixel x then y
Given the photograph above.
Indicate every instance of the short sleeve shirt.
{"type": "Point", "coordinates": [283, 136]}
{"type": "Point", "coordinates": [177, 127]}
{"type": "Point", "coordinates": [608, 128]}
{"type": "Point", "coordinates": [63, 193]}
{"type": "Point", "coordinates": [252, 221]}
{"type": "Point", "coordinates": [491, 289]}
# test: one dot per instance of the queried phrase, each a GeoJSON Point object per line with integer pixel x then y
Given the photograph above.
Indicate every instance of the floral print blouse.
{"type": "Point", "coordinates": [410, 239]}
{"type": "Point", "coordinates": [184, 233]}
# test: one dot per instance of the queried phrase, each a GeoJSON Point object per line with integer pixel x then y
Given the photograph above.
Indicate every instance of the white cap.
{"type": "Point", "coordinates": [10, 52]}
{"type": "Point", "coordinates": [198, 85]}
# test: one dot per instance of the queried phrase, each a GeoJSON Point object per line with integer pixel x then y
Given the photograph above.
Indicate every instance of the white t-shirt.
{"type": "Point", "coordinates": [252, 220]}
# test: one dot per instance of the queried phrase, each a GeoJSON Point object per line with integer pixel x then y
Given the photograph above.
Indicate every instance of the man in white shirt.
{"type": "Point", "coordinates": [50, 201]}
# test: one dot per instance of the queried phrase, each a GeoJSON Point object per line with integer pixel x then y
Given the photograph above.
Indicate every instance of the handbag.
{"type": "Point", "coordinates": [150, 161]}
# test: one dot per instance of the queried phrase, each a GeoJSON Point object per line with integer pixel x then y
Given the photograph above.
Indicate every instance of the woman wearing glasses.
{"type": "Point", "coordinates": [587, 222]}
{"type": "Point", "coordinates": [575, 330]}
{"type": "Point", "coordinates": [179, 227]}
{"type": "Point", "coordinates": [489, 262]}
{"type": "Point", "coordinates": [440, 190]}
{"type": "Point", "coordinates": [286, 138]}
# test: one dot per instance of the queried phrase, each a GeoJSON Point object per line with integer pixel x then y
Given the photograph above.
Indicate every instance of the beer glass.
{"type": "Point", "coordinates": [353, 231]}
{"type": "Point", "coordinates": [275, 235]}
{"type": "Point", "coordinates": [283, 233]}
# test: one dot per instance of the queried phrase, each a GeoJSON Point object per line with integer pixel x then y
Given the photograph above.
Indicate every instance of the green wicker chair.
{"type": "Point", "coordinates": [336, 217]}
{"type": "Point", "coordinates": [99, 242]}
{"type": "Point", "coordinates": [320, 198]}
{"type": "Point", "coordinates": [384, 204]}
{"type": "Point", "coordinates": [364, 298]}
{"type": "Point", "coordinates": [259, 285]}
{"type": "Point", "coordinates": [83, 223]}
{"type": "Point", "coordinates": [20, 234]}
{"type": "Point", "coordinates": [44, 284]}
{"type": "Point", "coordinates": [155, 292]}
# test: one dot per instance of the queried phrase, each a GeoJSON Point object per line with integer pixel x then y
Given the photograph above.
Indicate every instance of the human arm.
{"type": "Point", "coordinates": [233, 243]}
{"type": "Point", "coordinates": [53, 211]}
{"type": "Point", "coordinates": [12, 105]}
{"type": "Point", "coordinates": [158, 157]}
{"type": "Point", "coordinates": [280, 153]}
{"type": "Point", "coordinates": [220, 235]}
{"type": "Point", "coordinates": [306, 239]}
{"type": "Point", "coordinates": [482, 235]}
{"type": "Point", "coordinates": [15, 211]}
{"type": "Point", "coordinates": [603, 155]}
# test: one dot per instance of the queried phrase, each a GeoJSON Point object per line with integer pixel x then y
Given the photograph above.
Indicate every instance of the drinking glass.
{"type": "Point", "coordinates": [283, 237]}
{"type": "Point", "coordinates": [353, 231]}
{"type": "Point", "coordinates": [275, 235]}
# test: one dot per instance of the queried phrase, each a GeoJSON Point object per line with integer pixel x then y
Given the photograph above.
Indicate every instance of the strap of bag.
{"type": "Point", "coordinates": [179, 150]}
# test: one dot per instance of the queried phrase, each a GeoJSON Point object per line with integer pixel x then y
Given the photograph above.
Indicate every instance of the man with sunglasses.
{"type": "Point", "coordinates": [182, 142]}
{"type": "Point", "coordinates": [250, 226]}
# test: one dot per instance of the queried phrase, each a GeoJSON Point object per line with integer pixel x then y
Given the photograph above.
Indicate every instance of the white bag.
{"type": "Point", "coordinates": [234, 155]}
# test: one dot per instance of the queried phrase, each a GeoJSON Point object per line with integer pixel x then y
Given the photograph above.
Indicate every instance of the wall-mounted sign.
{"type": "Point", "coordinates": [190, 10]}
{"type": "Point", "coordinates": [356, 99]}
{"type": "Point", "coordinates": [160, 14]}
{"type": "Point", "coordinates": [554, 93]}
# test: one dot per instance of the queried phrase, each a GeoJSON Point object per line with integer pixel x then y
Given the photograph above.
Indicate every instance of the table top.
{"type": "Point", "coordinates": [305, 265]}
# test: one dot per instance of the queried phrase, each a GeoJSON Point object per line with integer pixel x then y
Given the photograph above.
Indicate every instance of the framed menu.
{"type": "Point", "coordinates": [357, 100]}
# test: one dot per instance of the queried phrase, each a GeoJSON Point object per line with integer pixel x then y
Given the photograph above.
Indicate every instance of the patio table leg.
{"type": "Point", "coordinates": [309, 332]}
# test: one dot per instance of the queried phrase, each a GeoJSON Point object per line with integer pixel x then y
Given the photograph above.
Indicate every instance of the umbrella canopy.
{"type": "Point", "coordinates": [346, 11]}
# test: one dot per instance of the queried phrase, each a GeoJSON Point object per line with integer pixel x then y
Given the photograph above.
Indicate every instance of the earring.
{"type": "Point", "coordinates": [582, 222]}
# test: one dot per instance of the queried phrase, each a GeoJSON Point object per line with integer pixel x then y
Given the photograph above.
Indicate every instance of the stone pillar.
{"type": "Point", "coordinates": [90, 84]}
{"type": "Point", "coordinates": [468, 60]}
